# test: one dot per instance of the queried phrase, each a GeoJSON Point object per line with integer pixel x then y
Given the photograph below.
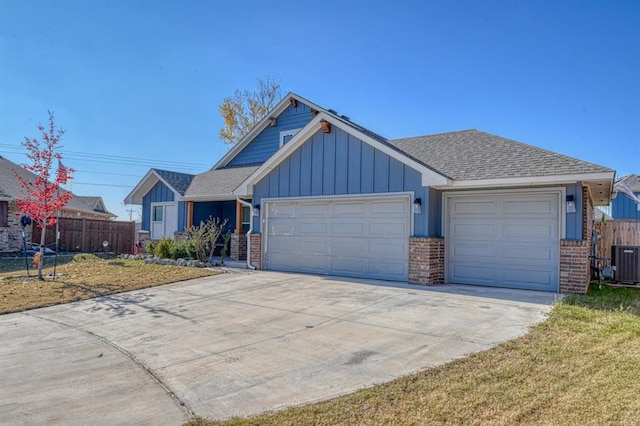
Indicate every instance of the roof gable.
{"type": "Point", "coordinates": [277, 112]}
{"type": "Point", "coordinates": [175, 181]}
{"type": "Point", "coordinates": [429, 176]}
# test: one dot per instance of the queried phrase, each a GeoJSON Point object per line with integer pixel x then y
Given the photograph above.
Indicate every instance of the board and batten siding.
{"type": "Point", "coordinates": [267, 142]}
{"type": "Point", "coordinates": [623, 207]}
{"type": "Point", "coordinates": [158, 194]}
{"type": "Point", "coordinates": [338, 163]}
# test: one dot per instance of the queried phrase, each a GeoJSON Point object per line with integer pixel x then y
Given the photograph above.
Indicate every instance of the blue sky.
{"type": "Point", "coordinates": [137, 84]}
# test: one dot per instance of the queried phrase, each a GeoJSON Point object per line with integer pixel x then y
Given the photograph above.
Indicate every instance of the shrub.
{"type": "Point", "coordinates": [163, 249]}
{"type": "Point", "coordinates": [150, 247]}
{"type": "Point", "coordinates": [204, 237]}
{"type": "Point", "coordinates": [179, 249]}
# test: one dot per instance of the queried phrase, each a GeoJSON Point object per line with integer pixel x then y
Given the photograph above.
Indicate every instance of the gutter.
{"type": "Point", "coordinates": [244, 203]}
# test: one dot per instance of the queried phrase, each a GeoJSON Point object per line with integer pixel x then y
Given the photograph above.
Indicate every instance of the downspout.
{"type": "Point", "coordinates": [244, 203]}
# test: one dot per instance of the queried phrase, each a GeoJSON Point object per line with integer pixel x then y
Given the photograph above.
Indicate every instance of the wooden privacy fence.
{"type": "Point", "coordinates": [88, 235]}
{"type": "Point", "coordinates": [617, 233]}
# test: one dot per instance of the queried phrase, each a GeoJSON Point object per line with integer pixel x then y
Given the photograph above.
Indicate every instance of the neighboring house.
{"type": "Point", "coordinates": [626, 198]}
{"type": "Point", "coordinates": [10, 190]}
{"type": "Point", "coordinates": [328, 196]}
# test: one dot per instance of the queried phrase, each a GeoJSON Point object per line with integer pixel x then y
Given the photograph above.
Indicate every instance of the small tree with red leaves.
{"type": "Point", "coordinates": [43, 197]}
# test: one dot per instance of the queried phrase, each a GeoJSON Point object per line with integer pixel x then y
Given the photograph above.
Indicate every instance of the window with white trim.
{"type": "Point", "coordinates": [286, 135]}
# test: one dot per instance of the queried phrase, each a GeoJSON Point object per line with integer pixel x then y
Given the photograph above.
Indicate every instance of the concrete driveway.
{"type": "Point", "coordinates": [239, 344]}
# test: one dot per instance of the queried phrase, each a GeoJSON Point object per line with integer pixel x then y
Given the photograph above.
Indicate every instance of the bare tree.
{"type": "Point", "coordinates": [244, 109]}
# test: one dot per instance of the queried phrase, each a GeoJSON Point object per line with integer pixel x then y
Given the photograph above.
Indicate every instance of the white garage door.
{"type": "Point", "coordinates": [350, 237]}
{"type": "Point", "coordinates": [504, 240]}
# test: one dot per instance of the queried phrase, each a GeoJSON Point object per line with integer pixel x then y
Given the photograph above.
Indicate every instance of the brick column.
{"type": "Point", "coordinates": [238, 249]}
{"type": "Point", "coordinates": [256, 250]}
{"type": "Point", "coordinates": [574, 266]}
{"type": "Point", "coordinates": [426, 260]}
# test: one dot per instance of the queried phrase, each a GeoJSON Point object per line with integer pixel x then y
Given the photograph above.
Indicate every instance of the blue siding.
{"type": "Point", "coordinates": [215, 209]}
{"type": "Point", "coordinates": [159, 193]}
{"type": "Point", "coordinates": [574, 220]}
{"type": "Point", "coordinates": [182, 216]}
{"type": "Point", "coordinates": [623, 207]}
{"type": "Point", "coordinates": [434, 211]}
{"type": "Point", "coordinates": [343, 164]}
{"type": "Point", "coordinates": [267, 142]}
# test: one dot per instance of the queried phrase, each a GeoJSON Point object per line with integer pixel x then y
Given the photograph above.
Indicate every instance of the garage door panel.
{"type": "Point", "coordinates": [388, 207]}
{"type": "Point", "coordinates": [281, 227]}
{"type": "Point", "coordinates": [343, 227]}
{"type": "Point", "coordinates": [395, 250]}
{"type": "Point", "coordinates": [381, 228]}
{"type": "Point", "coordinates": [475, 229]}
{"type": "Point", "coordinates": [540, 207]}
{"type": "Point", "coordinates": [474, 207]}
{"type": "Point", "coordinates": [364, 238]}
{"type": "Point", "coordinates": [529, 254]}
{"type": "Point", "coordinates": [474, 251]}
{"type": "Point", "coordinates": [474, 273]}
{"type": "Point", "coordinates": [310, 227]}
{"type": "Point", "coordinates": [388, 269]}
{"type": "Point", "coordinates": [527, 278]}
{"type": "Point", "coordinates": [515, 246]}
{"type": "Point", "coordinates": [342, 247]}
{"type": "Point", "coordinates": [534, 230]}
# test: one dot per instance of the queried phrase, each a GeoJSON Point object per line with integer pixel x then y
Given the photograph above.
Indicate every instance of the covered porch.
{"type": "Point", "coordinates": [236, 215]}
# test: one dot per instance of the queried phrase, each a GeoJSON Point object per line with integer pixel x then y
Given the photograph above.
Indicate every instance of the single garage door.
{"type": "Point", "coordinates": [365, 237]}
{"type": "Point", "coordinates": [509, 240]}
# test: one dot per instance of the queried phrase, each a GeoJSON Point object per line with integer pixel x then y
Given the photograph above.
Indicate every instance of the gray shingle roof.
{"type": "Point", "coordinates": [88, 203]}
{"type": "Point", "coordinates": [474, 155]}
{"type": "Point", "coordinates": [178, 181]}
{"type": "Point", "coordinates": [631, 181]}
{"type": "Point", "coordinates": [10, 188]}
{"type": "Point", "coordinates": [219, 181]}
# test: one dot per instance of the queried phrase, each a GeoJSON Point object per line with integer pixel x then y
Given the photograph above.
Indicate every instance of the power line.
{"type": "Point", "coordinates": [117, 159]}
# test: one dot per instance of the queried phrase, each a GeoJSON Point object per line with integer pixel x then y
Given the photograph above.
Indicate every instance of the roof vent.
{"type": "Point", "coordinates": [333, 111]}
{"type": "Point", "coordinates": [344, 117]}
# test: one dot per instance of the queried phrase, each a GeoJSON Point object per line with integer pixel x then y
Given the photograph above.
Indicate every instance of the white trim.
{"type": "Point", "coordinates": [164, 204]}
{"type": "Point", "coordinates": [131, 197]}
{"type": "Point", "coordinates": [429, 177]}
{"type": "Point", "coordinates": [276, 111]}
{"type": "Point", "coordinates": [560, 192]}
{"type": "Point", "coordinates": [285, 133]}
{"type": "Point", "coordinates": [528, 180]}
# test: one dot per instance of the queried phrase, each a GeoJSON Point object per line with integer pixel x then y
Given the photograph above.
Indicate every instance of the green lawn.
{"type": "Point", "coordinates": [580, 367]}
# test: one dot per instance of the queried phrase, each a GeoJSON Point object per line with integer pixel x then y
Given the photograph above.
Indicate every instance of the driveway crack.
{"type": "Point", "coordinates": [182, 404]}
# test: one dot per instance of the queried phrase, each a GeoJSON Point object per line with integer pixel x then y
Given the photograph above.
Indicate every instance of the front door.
{"type": "Point", "coordinates": [164, 220]}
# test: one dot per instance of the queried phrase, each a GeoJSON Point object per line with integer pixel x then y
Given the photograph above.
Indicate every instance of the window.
{"type": "Point", "coordinates": [246, 218]}
{"type": "Point", "coordinates": [157, 213]}
{"type": "Point", "coordinates": [4, 214]}
{"type": "Point", "coordinates": [286, 135]}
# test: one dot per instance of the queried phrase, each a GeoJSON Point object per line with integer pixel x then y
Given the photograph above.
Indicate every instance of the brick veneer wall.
{"type": "Point", "coordinates": [426, 260]}
{"type": "Point", "coordinates": [256, 250]}
{"type": "Point", "coordinates": [11, 236]}
{"type": "Point", "coordinates": [574, 266]}
{"type": "Point", "coordinates": [587, 214]}
{"type": "Point", "coordinates": [238, 249]}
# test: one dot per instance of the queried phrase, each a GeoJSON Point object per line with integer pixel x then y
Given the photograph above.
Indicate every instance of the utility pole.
{"type": "Point", "coordinates": [130, 211]}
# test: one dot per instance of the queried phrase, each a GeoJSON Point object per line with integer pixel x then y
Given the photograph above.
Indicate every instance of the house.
{"type": "Point", "coordinates": [10, 190]}
{"type": "Point", "coordinates": [318, 193]}
{"type": "Point", "coordinates": [626, 198]}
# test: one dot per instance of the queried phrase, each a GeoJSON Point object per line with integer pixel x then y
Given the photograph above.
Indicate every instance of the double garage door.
{"type": "Point", "coordinates": [506, 240]}
{"type": "Point", "coordinates": [359, 237]}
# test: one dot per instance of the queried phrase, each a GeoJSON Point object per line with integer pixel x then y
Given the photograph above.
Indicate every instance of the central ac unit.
{"type": "Point", "coordinates": [626, 259]}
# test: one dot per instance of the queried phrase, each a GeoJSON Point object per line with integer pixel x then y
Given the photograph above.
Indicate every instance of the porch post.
{"type": "Point", "coordinates": [189, 213]}
{"type": "Point", "coordinates": [238, 218]}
